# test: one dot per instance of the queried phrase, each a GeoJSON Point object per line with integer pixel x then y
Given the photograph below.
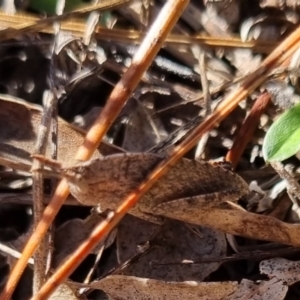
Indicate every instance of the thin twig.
{"type": "Point", "coordinates": [49, 239]}
{"type": "Point", "coordinates": [285, 50]}
{"type": "Point", "coordinates": [162, 147]}
{"type": "Point", "coordinates": [120, 94]}
{"type": "Point", "coordinates": [39, 271]}
{"type": "Point", "coordinates": [246, 131]}
{"type": "Point", "coordinates": [207, 100]}
{"type": "Point", "coordinates": [43, 254]}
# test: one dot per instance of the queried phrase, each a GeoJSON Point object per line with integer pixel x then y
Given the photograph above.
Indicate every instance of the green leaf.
{"type": "Point", "coordinates": [283, 138]}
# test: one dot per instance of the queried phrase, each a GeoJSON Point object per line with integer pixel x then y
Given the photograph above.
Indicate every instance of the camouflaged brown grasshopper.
{"type": "Point", "coordinates": [106, 181]}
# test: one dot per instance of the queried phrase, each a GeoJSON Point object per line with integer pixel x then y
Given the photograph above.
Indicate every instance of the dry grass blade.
{"type": "Point", "coordinates": [77, 27]}
{"type": "Point", "coordinates": [37, 25]}
{"type": "Point", "coordinates": [280, 54]}
{"type": "Point", "coordinates": [142, 59]}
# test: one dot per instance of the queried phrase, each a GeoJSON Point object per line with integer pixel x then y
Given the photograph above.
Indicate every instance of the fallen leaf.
{"type": "Point", "coordinates": [21, 121]}
{"type": "Point", "coordinates": [231, 219]}
{"type": "Point", "coordinates": [283, 269]}
{"type": "Point", "coordinates": [140, 132]}
{"type": "Point", "coordinates": [175, 242]}
{"type": "Point", "coordinates": [265, 290]}
{"type": "Point", "coordinates": [133, 232]}
{"type": "Point", "coordinates": [129, 287]}
{"type": "Point", "coordinates": [72, 233]}
{"type": "Point", "coordinates": [65, 292]}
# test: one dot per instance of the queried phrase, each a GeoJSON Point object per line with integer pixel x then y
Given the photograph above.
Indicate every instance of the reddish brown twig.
{"type": "Point", "coordinates": [122, 91]}
{"type": "Point", "coordinates": [282, 52]}
{"type": "Point", "coordinates": [246, 131]}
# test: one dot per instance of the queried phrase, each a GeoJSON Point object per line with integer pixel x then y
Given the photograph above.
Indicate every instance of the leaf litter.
{"type": "Point", "coordinates": [160, 259]}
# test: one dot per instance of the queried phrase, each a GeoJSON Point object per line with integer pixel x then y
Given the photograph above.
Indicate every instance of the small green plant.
{"type": "Point", "coordinates": [283, 138]}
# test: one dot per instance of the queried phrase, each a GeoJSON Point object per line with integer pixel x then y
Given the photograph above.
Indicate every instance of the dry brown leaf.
{"type": "Point", "coordinates": [133, 232]}
{"type": "Point", "coordinates": [175, 242]}
{"type": "Point", "coordinates": [64, 292]}
{"type": "Point", "coordinates": [231, 219]}
{"type": "Point", "coordinates": [265, 290]}
{"type": "Point", "coordinates": [129, 287]}
{"type": "Point", "coordinates": [17, 143]}
{"type": "Point", "coordinates": [285, 270]}
{"type": "Point", "coordinates": [72, 233]}
{"type": "Point", "coordinates": [140, 134]}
